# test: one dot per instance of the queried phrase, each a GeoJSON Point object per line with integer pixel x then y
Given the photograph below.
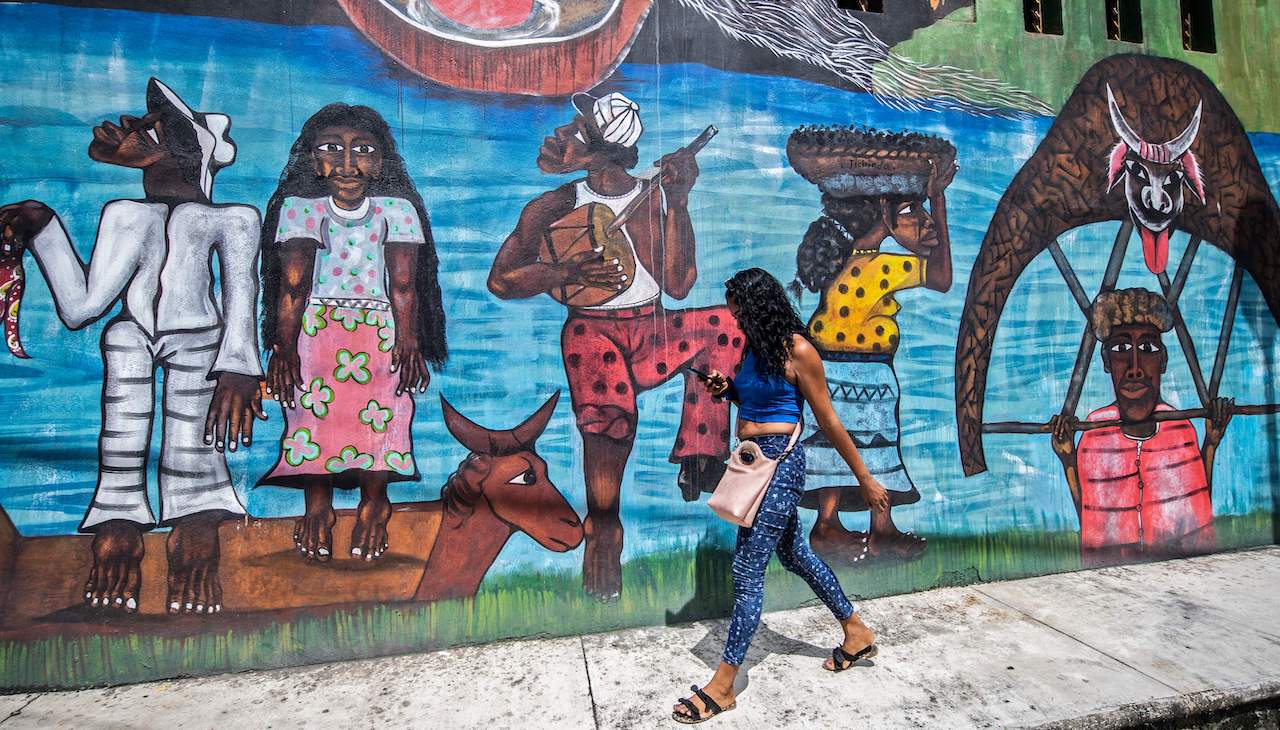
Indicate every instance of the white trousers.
{"type": "Point", "coordinates": [193, 475]}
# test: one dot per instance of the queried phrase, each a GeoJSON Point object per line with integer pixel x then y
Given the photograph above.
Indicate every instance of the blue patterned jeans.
{"type": "Point", "coordinates": [777, 527]}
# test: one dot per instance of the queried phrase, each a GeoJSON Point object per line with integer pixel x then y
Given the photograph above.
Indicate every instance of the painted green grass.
{"type": "Point", "coordinates": [657, 589]}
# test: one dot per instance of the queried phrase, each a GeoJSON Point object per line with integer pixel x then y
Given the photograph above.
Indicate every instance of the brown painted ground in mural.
{"type": "Point", "coordinates": [261, 568]}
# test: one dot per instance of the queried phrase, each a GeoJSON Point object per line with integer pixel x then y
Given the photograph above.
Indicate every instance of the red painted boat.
{"type": "Point", "coordinates": [533, 47]}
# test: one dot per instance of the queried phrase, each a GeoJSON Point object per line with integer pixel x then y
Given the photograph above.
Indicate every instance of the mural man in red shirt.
{"type": "Point", "coordinates": [1143, 488]}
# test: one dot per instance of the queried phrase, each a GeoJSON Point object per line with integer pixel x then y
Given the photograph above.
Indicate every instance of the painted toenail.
{"type": "Point", "coordinates": [188, 606]}
{"type": "Point", "coordinates": [131, 604]}
{"type": "Point", "coordinates": [173, 606]}
{"type": "Point", "coordinates": [356, 551]}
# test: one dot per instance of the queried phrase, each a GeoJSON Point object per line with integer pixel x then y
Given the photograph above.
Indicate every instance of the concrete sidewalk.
{"type": "Point", "coordinates": [1098, 648]}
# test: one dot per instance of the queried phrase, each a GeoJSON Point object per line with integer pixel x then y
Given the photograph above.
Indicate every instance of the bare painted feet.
{"type": "Point", "coordinates": [369, 536]}
{"type": "Point", "coordinates": [837, 545]}
{"type": "Point", "coordinates": [888, 541]}
{"type": "Point", "coordinates": [313, 532]}
{"type": "Point", "coordinates": [115, 581]}
{"type": "Point", "coordinates": [193, 564]}
{"type": "Point", "coordinates": [895, 544]}
{"type": "Point", "coordinates": [602, 557]}
{"type": "Point", "coordinates": [857, 636]}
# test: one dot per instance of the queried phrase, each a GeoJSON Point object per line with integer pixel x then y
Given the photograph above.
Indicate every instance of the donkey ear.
{"type": "Point", "coordinates": [468, 433]}
{"type": "Point", "coordinates": [529, 431]}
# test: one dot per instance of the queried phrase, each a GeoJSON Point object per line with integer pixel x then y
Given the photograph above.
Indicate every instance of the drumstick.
{"type": "Point", "coordinates": [650, 180]}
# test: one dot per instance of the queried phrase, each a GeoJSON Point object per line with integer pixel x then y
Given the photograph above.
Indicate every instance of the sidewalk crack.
{"type": "Point", "coordinates": [18, 711]}
{"type": "Point", "coordinates": [1053, 628]}
{"type": "Point", "coordinates": [586, 669]}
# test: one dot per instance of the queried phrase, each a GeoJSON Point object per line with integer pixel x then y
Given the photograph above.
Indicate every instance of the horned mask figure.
{"type": "Point", "coordinates": [1154, 175]}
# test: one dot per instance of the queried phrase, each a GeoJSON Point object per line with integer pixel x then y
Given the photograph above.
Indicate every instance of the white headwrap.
{"type": "Point", "coordinates": [216, 148]}
{"type": "Point", "coordinates": [616, 116]}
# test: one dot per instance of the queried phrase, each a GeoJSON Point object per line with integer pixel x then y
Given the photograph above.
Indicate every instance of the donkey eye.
{"type": "Point", "coordinates": [525, 479]}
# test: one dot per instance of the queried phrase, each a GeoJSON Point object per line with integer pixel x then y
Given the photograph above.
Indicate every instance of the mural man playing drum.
{"type": "Point", "coordinates": [1142, 488]}
{"type": "Point", "coordinates": [618, 340]}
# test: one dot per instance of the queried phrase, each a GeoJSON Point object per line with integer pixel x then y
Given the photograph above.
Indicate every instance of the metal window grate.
{"type": "Point", "coordinates": [862, 6]}
{"type": "Point", "coordinates": [1124, 20]}
{"type": "Point", "coordinates": [1197, 26]}
{"type": "Point", "coordinates": [1042, 16]}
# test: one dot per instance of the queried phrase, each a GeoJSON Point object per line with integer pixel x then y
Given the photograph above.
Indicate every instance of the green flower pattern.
{"type": "Point", "coordinates": [313, 320]}
{"type": "Point", "coordinates": [298, 447]}
{"type": "Point", "coordinates": [317, 398]}
{"type": "Point", "coordinates": [376, 417]}
{"type": "Point", "coordinates": [400, 462]}
{"type": "Point", "coordinates": [352, 366]}
{"type": "Point", "coordinates": [349, 458]}
{"type": "Point", "coordinates": [348, 317]}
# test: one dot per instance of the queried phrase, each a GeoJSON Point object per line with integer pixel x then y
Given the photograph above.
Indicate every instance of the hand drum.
{"type": "Point", "coordinates": [585, 230]}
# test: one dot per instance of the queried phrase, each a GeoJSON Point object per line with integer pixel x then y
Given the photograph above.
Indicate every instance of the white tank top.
{"type": "Point", "coordinates": [643, 288]}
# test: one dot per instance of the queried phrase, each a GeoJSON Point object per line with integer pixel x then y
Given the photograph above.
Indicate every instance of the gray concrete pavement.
{"type": "Point", "coordinates": [1128, 642]}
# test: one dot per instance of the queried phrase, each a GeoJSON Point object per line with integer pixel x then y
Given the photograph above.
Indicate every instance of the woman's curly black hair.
{"type": "Point", "coordinates": [766, 317]}
{"type": "Point", "coordinates": [299, 179]}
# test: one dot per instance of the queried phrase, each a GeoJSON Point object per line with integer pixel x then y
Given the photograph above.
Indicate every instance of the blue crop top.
{"type": "Point", "coordinates": [764, 398]}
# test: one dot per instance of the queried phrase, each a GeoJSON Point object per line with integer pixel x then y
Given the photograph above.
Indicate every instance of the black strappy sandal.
{"type": "Point", "coordinates": [842, 660]}
{"type": "Point", "coordinates": [695, 715]}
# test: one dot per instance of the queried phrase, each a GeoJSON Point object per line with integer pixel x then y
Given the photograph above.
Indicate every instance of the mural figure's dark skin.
{"type": "Point", "coordinates": [346, 159]}
{"type": "Point", "coordinates": [670, 254]}
{"type": "Point", "coordinates": [193, 550]}
{"type": "Point", "coordinates": [924, 233]}
{"type": "Point", "coordinates": [1064, 186]}
{"type": "Point", "coordinates": [1135, 357]}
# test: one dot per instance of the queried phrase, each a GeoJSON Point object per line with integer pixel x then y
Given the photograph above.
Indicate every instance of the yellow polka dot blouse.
{"type": "Point", "coordinates": [858, 308]}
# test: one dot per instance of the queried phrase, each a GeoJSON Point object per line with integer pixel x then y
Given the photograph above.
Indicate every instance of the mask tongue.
{"type": "Point", "coordinates": [1155, 249]}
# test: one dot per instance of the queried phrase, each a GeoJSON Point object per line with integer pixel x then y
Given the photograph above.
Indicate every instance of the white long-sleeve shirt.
{"type": "Point", "coordinates": [161, 260]}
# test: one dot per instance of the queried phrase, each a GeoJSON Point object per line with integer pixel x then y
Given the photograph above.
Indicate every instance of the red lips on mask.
{"type": "Point", "coordinates": [1155, 249]}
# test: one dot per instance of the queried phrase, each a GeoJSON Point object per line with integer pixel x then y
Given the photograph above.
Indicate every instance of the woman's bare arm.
{"type": "Point", "coordinates": [811, 379]}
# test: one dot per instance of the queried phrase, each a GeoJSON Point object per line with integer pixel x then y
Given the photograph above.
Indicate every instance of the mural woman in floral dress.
{"type": "Point", "coordinates": [352, 320]}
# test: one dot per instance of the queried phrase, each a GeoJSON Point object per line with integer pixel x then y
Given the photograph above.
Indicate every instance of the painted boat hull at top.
{"type": "Point", "coordinates": [550, 65]}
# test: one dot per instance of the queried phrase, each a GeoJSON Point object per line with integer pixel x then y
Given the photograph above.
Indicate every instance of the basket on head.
{"type": "Point", "coordinates": [848, 162]}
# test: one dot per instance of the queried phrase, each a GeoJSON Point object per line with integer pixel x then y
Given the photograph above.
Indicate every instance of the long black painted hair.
{"type": "Point", "coordinates": [766, 317]}
{"type": "Point", "coordinates": [299, 179]}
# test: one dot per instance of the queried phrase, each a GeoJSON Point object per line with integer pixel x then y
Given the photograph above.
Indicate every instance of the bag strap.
{"type": "Point", "coordinates": [795, 437]}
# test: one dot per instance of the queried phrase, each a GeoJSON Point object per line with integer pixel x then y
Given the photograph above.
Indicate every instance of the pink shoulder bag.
{"type": "Point", "coordinates": [746, 478]}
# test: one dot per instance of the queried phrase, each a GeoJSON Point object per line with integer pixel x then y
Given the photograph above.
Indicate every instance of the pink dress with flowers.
{"type": "Point", "coordinates": [348, 419]}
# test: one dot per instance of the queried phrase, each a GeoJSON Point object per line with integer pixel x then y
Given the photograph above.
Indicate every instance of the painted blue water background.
{"type": "Point", "coordinates": [63, 70]}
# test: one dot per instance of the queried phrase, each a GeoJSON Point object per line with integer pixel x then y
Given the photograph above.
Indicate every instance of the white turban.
{"type": "Point", "coordinates": [616, 116]}
{"type": "Point", "coordinates": [216, 148]}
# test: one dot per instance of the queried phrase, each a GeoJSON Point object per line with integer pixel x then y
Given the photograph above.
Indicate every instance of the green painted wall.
{"type": "Point", "coordinates": [1245, 67]}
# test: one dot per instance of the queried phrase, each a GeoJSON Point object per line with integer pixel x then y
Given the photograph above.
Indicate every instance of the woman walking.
{"type": "Point", "coordinates": [780, 372]}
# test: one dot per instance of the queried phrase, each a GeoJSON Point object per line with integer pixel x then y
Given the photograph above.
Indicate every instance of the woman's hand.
{"type": "Point", "coordinates": [406, 358]}
{"type": "Point", "coordinates": [284, 373]}
{"type": "Point", "coordinates": [717, 383]}
{"type": "Point", "coordinates": [874, 494]}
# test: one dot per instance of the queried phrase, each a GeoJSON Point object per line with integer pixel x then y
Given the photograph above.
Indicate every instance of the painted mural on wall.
{"type": "Point", "coordinates": [1139, 479]}
{"type": "Point", "coordinates": [223, 448]}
